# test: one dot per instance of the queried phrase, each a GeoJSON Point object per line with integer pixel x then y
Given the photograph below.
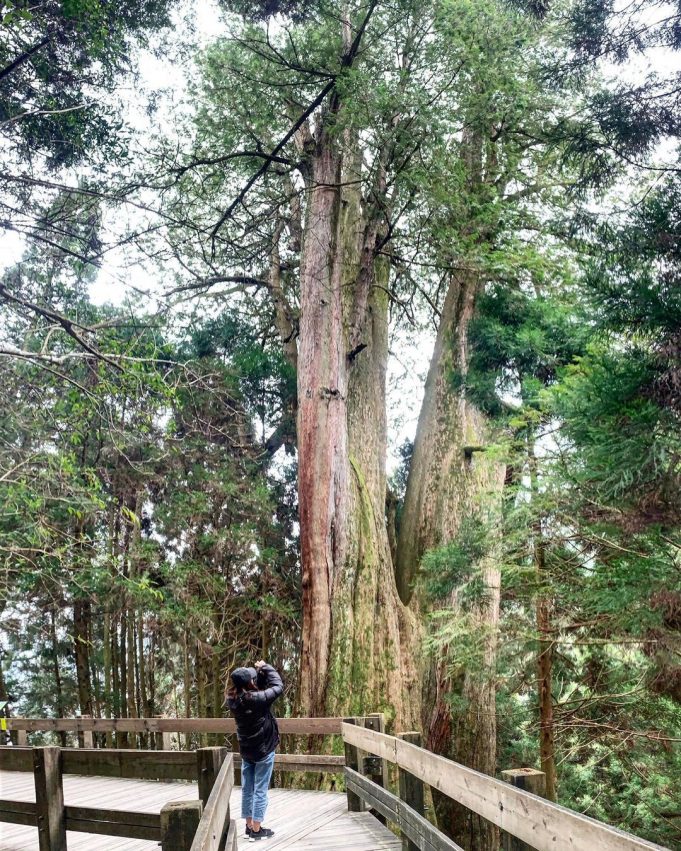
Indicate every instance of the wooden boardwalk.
{"type": "Point", "coordinates": [302, 821]}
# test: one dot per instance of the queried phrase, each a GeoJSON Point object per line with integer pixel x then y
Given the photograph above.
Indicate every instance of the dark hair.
{"type": "Point", "coordinates": [232, 691]}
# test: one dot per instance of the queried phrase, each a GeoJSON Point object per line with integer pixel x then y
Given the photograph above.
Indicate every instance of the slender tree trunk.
{"type": "Point", "coordinates": [187, 682]}
{"type": "Point", "coordinates": [58, 690]}
{"type": "Point", "coordinates": [547, 748]}
{"type": "Point", "coordinates": [545, 652]}
{"type": "Point", "coordinates": [125, 738]}
{"type": "Point", "coordinates": [97, 697]}
{"type": "Point", "coordinates": [82, 613]}
{"type": "Point", "coordinates": [115, 670]}
{"type": "Point", "coordinates": [141, 663]}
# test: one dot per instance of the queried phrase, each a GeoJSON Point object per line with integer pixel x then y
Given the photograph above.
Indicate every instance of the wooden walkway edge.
{"type": "Point", "coordinates": [302, 821]}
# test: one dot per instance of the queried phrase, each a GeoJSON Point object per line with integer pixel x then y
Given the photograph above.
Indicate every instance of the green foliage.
{"type": "Point", "coordinates": [295, 10]}
{"type": "Point", "coordinates": [454, 565]}
{"type": "Point", "coordinates": [51, 57]}
{"type": "Point", "coordinates": [519, 340]}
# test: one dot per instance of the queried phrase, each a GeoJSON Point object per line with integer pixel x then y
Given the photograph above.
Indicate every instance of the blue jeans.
{"type": "Point", "coordinates": [255, 779]}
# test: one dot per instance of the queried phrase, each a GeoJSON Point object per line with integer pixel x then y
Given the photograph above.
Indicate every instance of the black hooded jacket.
{"type": "Point", "coordinates": [256, 727]}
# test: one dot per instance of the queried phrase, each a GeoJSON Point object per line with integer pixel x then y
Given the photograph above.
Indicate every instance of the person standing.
{"type": "Point", "coordinates": [249, 697]}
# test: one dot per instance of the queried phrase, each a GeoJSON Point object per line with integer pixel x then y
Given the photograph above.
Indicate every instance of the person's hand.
{"type": "Point", "coordinates": [258, 665]}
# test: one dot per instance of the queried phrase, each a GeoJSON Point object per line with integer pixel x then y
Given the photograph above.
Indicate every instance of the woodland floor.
{"type": "Point", "coordinates": [302, 821]}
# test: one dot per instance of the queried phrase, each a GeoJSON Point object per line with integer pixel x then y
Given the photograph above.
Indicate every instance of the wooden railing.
{"type": "Point", "coordinates": [156, 730]}
{"type": "Point", "coordinates": [53, 818]}
{"type": "Point", "coordinates": [529, 818]}
{"type": "Point", "coordinates": [199, 825]}
{"type": "Point", "coordinates": [215, 830]}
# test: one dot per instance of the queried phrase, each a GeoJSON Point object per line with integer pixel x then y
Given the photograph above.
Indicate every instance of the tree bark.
{"type": "Point", "coordinates": [445, 484]}
{"type": "Point", "coordinates": [82, 615]}
{"type": "Point", "coordinates": [322, 421]}
{"type": "Point", "coordinates": [356, 633]}
{"type": "Point", "coordinates": [58, 690]}
{"type": "Point", "coordinates": [547, 750]}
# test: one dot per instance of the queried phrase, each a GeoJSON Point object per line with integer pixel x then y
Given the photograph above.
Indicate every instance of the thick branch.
{"type": "Point", "coordinates": [23, 58]}
{"type": "Point", "coordinates": [205, 161]}
{"type": "Point", "coordinates": [278, 147]}
{"type": "Point", "coordinates": [246, 280]}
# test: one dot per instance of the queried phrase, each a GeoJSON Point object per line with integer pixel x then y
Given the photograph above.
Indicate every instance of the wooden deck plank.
{"type": "Point", "coordinates": [301, 820]}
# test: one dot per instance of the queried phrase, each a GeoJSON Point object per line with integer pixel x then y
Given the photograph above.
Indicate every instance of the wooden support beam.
{"type": "Point", "coordinates": [49, 798]}
{"type": "Point", "coordinates": [530, 780]}
{"type": "Point", "coordinates": [18, 812]}
{"type": "Point", "coordinates": [157, 765]}
{"type": "Point", "coordinates": [209, 762]}
{"type": "Point", "coordinates": [424, 835]}
{"type": "Point", "coordinates": [179, 823]}
{"type": "Point", "coordinates": [142, 765]}
{"type": "Point", "coordinates": [411, 790]}
{"type": "Point", "coordinates": [130, 824]}
{"type": "Point", "coordinates": [352, 761]}
{"type": "Point", "coordinates": [375, 768]}
{"type": "Point", "coordinates": [303, 762]}
{"type": "Point", "coordinates": [223, 726]}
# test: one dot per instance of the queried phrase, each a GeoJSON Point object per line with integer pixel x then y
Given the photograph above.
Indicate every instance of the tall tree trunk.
{"type": "Point", "coordinates": [125, 738]}
{"type": "Point", "coordinates": [82, 614]}
{"type": "Point", "coordinates": [449, 476]}
{"type": "Point", "coordinates": [187, 683]}
{"type": "Point", "coordinates": [115, 670]}
{"type": "Point", "coordinates": [322, 422]}
{"type": "Point", "coordinates": [357, 637]}
{"type": "Point", "coordinates": [547, 748]}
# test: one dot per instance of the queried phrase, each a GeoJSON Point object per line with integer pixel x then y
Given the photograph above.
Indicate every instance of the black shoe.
{"type": "Point", "coordinates": [248, 830]}
{"type": "Point", "coordinates": [263, 833]}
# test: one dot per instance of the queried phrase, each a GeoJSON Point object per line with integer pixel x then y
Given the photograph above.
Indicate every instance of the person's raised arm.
{"type": "Point", "coordinates": [270, 684]}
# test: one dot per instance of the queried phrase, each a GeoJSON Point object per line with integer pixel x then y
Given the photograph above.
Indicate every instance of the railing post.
{"type": "Point", "coordinates": [49, 799]}
{"type": "Point", "coordinates": [530, 780]}
{"type": "Point", "coordinates": [85, 737]}
{"type": "Point", "coordinates": [352, 761]}
{"type": "Point", "coordinates": [163, 741]}
{"type": "Point", "coordinates": [179, 821]}
{"type": "Point", "coordinates": [209, 763]}
{"type": "Point", "coordinates": [373, 766]}
{"type": "Point", "coordinates": [411, 789]}
{"type": "Point", "coordinates": [21, 737]}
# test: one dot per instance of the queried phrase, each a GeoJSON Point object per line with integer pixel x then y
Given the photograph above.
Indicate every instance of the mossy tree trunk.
{"type": "Point", "coordinates": [358, 647]}
{"type": "Point", "coordinates": [450, 478]}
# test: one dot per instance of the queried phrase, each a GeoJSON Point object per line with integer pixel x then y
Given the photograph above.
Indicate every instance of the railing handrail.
{"type": "Point", "coordinates": [154, 765]}
{"type": "Point", "coordinates": [541, 823]}
{"type": "Point", "coordinates": [287, 726]}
